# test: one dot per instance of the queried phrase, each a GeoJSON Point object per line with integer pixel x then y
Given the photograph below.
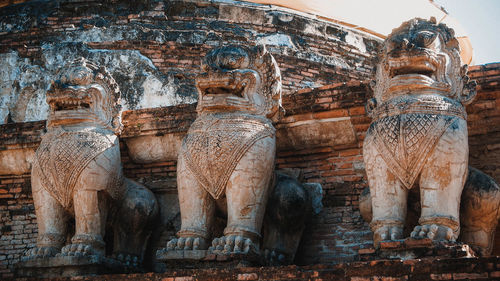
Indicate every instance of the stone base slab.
{"type": "Point", "coordinates": [384, 270]}
{"type": "Point", "coordinates": [69, 266]}
{"type": "Point", "coordinates": [193, 259]}
{"type": "Point", "coordinates": [410, 248]}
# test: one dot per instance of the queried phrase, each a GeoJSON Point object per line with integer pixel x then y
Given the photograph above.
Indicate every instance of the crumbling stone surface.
{"type": "Point", "coordinates": [383, 270]}
{"type": "Point", "coordinates": [313, 56]}
{"type": "Point", "coordinates": [153, 49]}
{"type": "Point", "coordinates": [337, 235]}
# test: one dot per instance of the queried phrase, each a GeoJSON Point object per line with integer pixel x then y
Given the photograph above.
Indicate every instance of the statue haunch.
{"type": "Point", "coordinates": [479, 205]}
{"type": "Point", "coordinates": [419, 132]}
{"type": "Point", "coordinates": [77, 172]}
{"type": "Point", "coordinates": [227, 158]}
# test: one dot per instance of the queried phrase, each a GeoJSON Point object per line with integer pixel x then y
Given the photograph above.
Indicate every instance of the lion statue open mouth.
{"type": "Point", "coordinates": [418, 135]}
{"type": "Point", "coordinates": [77, 172]}
{"type": "Point", "coordinates": [227, 157]}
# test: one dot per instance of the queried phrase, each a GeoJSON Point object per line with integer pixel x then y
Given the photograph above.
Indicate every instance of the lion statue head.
{"type": "Point", "coordinates": [422, 57]}
{"type": "Point", "coordinates": [84, 92]}
{"type": "Point", "coordinates": [237, 78]}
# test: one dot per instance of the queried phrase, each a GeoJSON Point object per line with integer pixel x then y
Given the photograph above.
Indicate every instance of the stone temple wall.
{"type": "Point", "coordinates": [338, 234]}
{"type": "Point", "coordinates": [153, 50]}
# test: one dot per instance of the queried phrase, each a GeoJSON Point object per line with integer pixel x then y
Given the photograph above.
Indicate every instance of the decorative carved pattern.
{"type": "Point", "coordinates": [425, 104]}
{"type": "Point", "coordinates": [215, 144]}
{"type": "Point", "coordinates": [419, 96]}
{"type": "Point", "coordinates": [405, 141]}
{"type": "Point", "coordinates": [77, 172]}
{"type": "Point", "coordinates": [62, 156]}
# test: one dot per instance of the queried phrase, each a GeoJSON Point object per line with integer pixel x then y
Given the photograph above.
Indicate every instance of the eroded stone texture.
{"type": "Point", "coordinates": [24, 82]}
{"type": "Point", "coordinates": [153, 48]}
{"type": "Point", "coordinates": [227, 157]}
{"type": "Point", "coordinates": [419, 132]}
{"type": "Point", "coordinates": [77, 173]}
{"type": "Point", "coordinates": [226, 162]}
{"type": "Point", "coordinates": [22, 89]}
{"type": "Point", "coordinates": [290, 205]}
{"type": "Point", "coordinates": [479, 211]}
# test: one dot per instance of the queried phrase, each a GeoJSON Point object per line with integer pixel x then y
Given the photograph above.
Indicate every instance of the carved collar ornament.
{"type": "Point", "coordinates": [405, 141]}
{"type": "Point", "coordinates": [215, 144]}
{"type": "Point", "coordinates": [63, 155]}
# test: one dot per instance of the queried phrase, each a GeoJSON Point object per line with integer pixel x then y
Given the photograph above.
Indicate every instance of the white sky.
{"type": "Point", "coordinates": [477, 19]}
{"type": "Point", "coordinates": [481, 21]}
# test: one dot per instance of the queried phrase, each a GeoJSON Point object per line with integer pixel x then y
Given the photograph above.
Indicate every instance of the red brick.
{"type": "Point", "coordinates": [366, 251]}
{"type": "Point", "coordinates": [248, 276]}
{"type": "Point", "coordinates": [442, 276]}
{"type": "Point", "coordinates": [359, 110]}
{"type": "Point", "coordinates": [469, 276]}
{"type": "Point", "coordinates": [330, 114]}
{"type": "Point", "coordinates": [495, 274]}
{"type": "Point", "coordinates": [350, 152]}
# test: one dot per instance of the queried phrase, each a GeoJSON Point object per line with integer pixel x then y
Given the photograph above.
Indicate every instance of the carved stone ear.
{"type": "Point", "coordinates": [371, 104]}
{"type": "Point", "coordinates": [260, 49]}
{"type": "Point", "coordinates": [372, 84]}
{"type": "Point", "coordinates": [464, 69]}
{"type": "Point", "coordinates": [469, 92]}
{"type": "Point", "coordinates": [453, 44]}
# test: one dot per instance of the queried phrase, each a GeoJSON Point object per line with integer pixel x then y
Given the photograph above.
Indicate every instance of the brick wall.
{"type": "Point", "coordinates": [18, 227]}
{"type": "Point", "coordinates": [319, 59]}
{"type": "Point", "coordinates": [175, 35]}
{"type": "Point", "coordinates": [333, 236]}
{"type": "Point", "coordinates": [484, 125]}
{"type": "Point", "coordinates": [381, 270]}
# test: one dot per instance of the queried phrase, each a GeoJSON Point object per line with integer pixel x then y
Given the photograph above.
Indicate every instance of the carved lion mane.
{"type": "Point", "coordinates": [242, 72]}
{"type": "Point", "coordinates": [422, 56]}
{"type": "Point", "coordinates": [84, 89]}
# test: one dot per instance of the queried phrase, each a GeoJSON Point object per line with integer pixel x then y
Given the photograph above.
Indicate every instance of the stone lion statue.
{"type": "Point", "coordinates": [77, 172]}
{"type": "Point", "coordinates": [226, 160]}
{"type": "Point", "coordinates": [418, 135]}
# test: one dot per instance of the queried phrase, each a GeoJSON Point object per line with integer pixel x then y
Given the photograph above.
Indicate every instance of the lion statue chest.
{"type": "Point", "coordinates": [216, 142]}
{"type": "Point", "coordinates": [64, 154]}
{"type": "Point", "coordinates": [406, 128]}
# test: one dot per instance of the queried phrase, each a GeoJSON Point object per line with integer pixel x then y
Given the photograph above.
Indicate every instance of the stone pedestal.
{"type": "Point", "coordinates": [410, 248]}
{"type": "Point", "coordinates": [69, 266]}
{"type": "Point", "coordinates": [193, 259]}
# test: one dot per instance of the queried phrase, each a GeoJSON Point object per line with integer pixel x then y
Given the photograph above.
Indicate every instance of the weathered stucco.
{"type": "Point", "coordinates": [122, 35]}
{"type": "Point", "coordinates": [24, 82]}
